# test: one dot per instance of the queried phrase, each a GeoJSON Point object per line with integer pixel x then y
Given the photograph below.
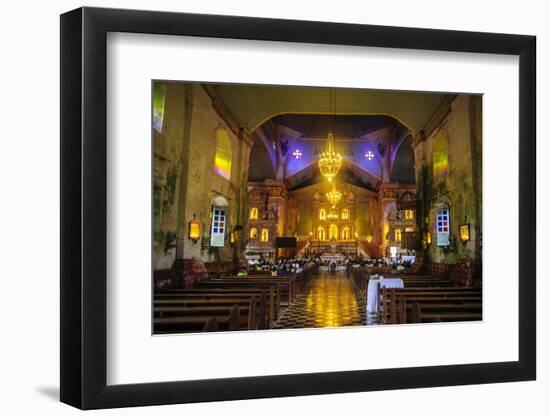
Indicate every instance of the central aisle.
{"type": "Point", "coordinates": [329, 301]}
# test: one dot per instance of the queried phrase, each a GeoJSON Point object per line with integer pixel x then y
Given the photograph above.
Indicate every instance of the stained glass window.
{"type": "Point", "coordinates": [159, 98]}
{"type": "Point", "coordinates": [217, 232]}
{"type": "Point", "coordinates": [440, 157]}
{"type": "Point", "coordinates": [443, 227]}
{"type": "Point", "coordinates": [297, 154]}
{"type": "Point", "coordinates": [222, 161]}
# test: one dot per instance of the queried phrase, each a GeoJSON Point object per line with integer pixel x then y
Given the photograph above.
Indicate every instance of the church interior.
{"type": "Point", "coordinates": [278, 207]}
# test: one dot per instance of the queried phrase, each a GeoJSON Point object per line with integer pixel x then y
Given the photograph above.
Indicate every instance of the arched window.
{"type": "Point", "coordinates": [441, 156]}
{"type": "Point", "coordinates": [409, 214]}
{"type": "Point", "coordinates": [222, 160]}
{"type": "Point", "coordinates": [345, 214]}
{"type": "Point", "coordinates": [346, 233]}
{"type": "Point", "coordinates": [321, 233]}
{"type": "Point", "coordinates": [253, 233]}
{"type": "Point", "coordinates": [333, 232]}
{"type": "Point", "coordinates": [265, 235]}
{"type": "Point", "coordinates": [159, 98]}
{"type": "Point", "coordinates": [443, 226]}
{"type": "Point", "coordinates": [398, 235]}
{"type": "Point", "coordinates": [253, 213]}
{"type": "Point", "coordinates": [322, 214]}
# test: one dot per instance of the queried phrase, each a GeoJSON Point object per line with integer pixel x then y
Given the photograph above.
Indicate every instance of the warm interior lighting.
{"type": "Point", "coordinates": [332, 215]}
{"type": "Point", "coordinates": [345, 214]}
{"type": "Point", "coordinates": [334, 196]}
{"type": "Point", "coordinates": [398, 235]}
{"type": "Point", "coordinates": [464, 232]}
{"type": "Point", "coordinates": [222, 158]}
{"type": "Point", "coordinates": [194, 230]}
{"type": "Point", "coordinates": [330, 161]}
{"type": "Point", "coordinates": [369, 238]}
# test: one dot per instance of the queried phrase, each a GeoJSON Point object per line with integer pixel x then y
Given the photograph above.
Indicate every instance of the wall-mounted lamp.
{"type": "Point", "coordinates": [464, 232]}
{"type": "Point", "coordinates": [369, 238]}
{"type": "Point", "coordinates": [194, 230]}
{"type": "Point", "coordinates": [428, 238]}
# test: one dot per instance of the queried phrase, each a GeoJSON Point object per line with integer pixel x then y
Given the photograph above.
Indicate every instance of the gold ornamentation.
{"type": "Point", "coordinates": [334, 196]}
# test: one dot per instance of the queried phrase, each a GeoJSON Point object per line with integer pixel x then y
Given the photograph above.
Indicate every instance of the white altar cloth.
{"type": "Point", "coordinates": [372, 293]}
{"type": "Point", "coordinates": [409, 258]}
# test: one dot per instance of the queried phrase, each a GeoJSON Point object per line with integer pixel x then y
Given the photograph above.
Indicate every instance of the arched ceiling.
{"type": "Point", "coordinates": [252, 105]}
{"type": "Point", "coordinates": [403, 164]}
{"type": "Point", "coordinates": [261, 167]}
{"type": "Point", "coordinates": [349, 174]}
{"type": "Point", "coordinates": [316, 126]}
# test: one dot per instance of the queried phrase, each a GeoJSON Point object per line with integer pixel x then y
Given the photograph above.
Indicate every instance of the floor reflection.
{"type": "Point", "coordinates": [330, 301]}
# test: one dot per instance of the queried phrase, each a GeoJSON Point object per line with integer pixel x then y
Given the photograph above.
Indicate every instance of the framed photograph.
{"type": "Point", "coordinates": [258, 208]}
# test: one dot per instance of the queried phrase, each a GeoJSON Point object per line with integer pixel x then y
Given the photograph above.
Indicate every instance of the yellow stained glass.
{"type": "Point", "coordinates": [440, 157]}
{"type": "Point", "coordinates": [222, 160]}
{"type": "Point", "coordinates": [159, 98]}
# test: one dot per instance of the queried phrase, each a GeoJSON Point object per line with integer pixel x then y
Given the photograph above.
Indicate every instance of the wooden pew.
{"type": "Point", "coordinates": [442, 304]}
{"type": "Point", "coordinates": [272, 290]}
{"type": "Point", "coordinates": [265, 307]}
{"type": "Point", "coordinates": [232, 320]}
{"type": "Point", "coordinates": [421, 316]}
{"type": "Point", "coordinates": [289, 284]}
{"type": "Point", "coordinates": [209, 293]}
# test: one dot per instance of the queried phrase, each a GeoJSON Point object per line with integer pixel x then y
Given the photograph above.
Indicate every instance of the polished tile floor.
{"type": "Point", "coordinates": [329, 301]}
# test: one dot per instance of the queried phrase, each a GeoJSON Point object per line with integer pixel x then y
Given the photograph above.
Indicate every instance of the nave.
{"type": "Point", "coordinates": [330, 301]}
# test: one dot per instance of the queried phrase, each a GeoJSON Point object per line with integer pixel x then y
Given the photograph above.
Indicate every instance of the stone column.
{"type": "Point", "coordinates": [388, 201]}
{"type": "Point", "coordinates": [184, 173]}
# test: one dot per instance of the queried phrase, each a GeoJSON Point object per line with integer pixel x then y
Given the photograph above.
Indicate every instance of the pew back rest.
{"type": "Point", "coordinates": [467, 273]}
{"type": "Point", "coordinates": [164, 278]}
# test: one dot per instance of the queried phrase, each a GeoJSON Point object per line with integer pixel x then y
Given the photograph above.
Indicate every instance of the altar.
{"type": "Point", "coordinates": [333, 257]}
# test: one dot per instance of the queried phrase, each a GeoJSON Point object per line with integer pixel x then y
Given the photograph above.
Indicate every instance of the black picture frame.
{"type": "Point", "coordinates": [84, 207]}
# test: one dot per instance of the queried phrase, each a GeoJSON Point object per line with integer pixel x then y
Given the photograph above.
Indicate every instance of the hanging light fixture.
{"type": "Point", "coordinates": [334, 196]}
{"type": "Point", "coordinates": [330, 161]}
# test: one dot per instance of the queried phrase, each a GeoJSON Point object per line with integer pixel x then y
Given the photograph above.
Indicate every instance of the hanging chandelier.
{"type": "Point", "coordinates": [334, 196]}
{"type": "Point", "coordinates": [330, 161]}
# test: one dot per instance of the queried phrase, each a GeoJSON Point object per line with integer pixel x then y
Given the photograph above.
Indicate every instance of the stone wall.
{"type": "Point", "coordinates": [459, 123]}
{"type": "Point", "coordinates": [185, 183]}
